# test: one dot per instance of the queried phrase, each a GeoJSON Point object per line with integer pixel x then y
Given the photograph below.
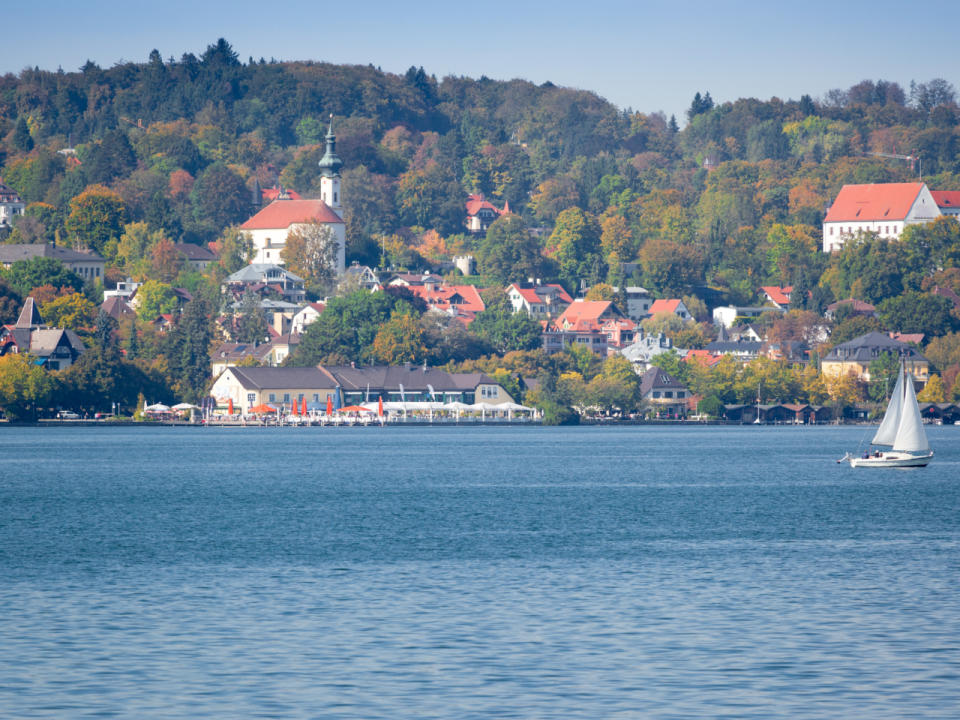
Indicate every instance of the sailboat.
{"type": "Point", "coordinates": [901, 430]}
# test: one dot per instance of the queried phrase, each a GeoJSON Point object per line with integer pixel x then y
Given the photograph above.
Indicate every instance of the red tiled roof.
{"type": "Point", "coordinates": [476, 203]}
{"type": "Point", "coordinates": [583, 315]}
{"type": "Point", "coordinates": [660, 306]}
{"type": "Point", "coordinates": [915, 338]}
{"type": "Point", "coordinates": [281, 214]}
{"type": "Point", "coordinates": [779, 295]}
{"type": "Point", "coordinates": [878, 201]}
{"type": "Point", "coordinates": [946, 199]}
{"type": "Point", "coordinates": [465, 297]}
{"type": "Point", "coordinates": [530, 294]}
{"type": "Point", "coordinates": [703, 356]}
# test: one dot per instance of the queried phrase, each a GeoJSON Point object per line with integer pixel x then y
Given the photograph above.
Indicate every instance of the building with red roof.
{"type": "Point", "coordinates": [538, 301]}
{"type": "Point", "coordinates": [948, 201]}
{"type": "Point", "coordinates": [460, 301]}
{"type": "Point", "coordinates": [481, 213]}
{"type": "Point", "coordinates": [673, 305]}
{"type": "Point", "coordinates": [881, 208]}
{"type": "Point", "coordinates": [270, 227]}
{"type": "Point", "coordinates": [595, 324]}
{"type": "Point", "coordinates": [779, 296]}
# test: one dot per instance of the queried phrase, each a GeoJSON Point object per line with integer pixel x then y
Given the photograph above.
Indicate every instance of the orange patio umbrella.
{"type": "Point", "coordinates": [295, 410]}
{"type": "Point", "coordinates": [263, 409]}
{"type": "Point", "coordinates": [230, 406]}
{"type": "Point", "coordinates": [303, 405]}
{"type": "Point", "coordinates": [329, 405]}
{"type": "Point", "coordinates": [380, 406]}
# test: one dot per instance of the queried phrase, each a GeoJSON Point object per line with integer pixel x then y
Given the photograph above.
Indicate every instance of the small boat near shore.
{"type": "Point", "coordinates": [901, 430]}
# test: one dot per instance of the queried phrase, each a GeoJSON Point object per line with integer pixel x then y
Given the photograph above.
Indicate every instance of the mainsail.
{"type": "Point", "coordinates": [910, 435]}
{"type": "Point", "coordinates": [887, 431]}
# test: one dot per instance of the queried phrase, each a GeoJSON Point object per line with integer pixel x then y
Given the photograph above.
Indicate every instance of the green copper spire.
{"type": "Point", "coordinates": [330, 164]}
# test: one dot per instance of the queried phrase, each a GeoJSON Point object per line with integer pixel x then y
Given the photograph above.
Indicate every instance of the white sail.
{"type": "Point", "coordinates": [887, 431]}
{"type": "Point", "coordinates": [910, 434]}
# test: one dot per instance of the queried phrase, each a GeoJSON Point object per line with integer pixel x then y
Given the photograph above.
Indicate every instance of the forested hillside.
{"type": "Point", "coordinates": [731, 201]}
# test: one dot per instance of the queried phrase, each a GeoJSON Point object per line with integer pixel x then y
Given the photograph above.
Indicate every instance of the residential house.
{"type": "Point", "coordinates": [856, 307]}
{"type": "Point", "coordinates": [415, 279]}
{"type": "Point", "coordinates": [125, 289]}
{"type": "Point", "coordinates": [270, 227]}
{"type": "Point", "coordinates": [117, 308]}
{"type": "Point", "coordinates": [306, 316]}
{"type": "Point", "coordinates": [269, 354]}
{"type": "Point", "coordinates": [53, 348]}
{"type": "Point", "coordinates": [743, 350]}
{"type": "Point", "coordinates": [665, 395]}
{"type": "Point", "coordinates": [196, 256]}
{"type": "Point", "coordinates": [881, 208]}
{"type": "Point", "coordinates": [777, 296]}
{"type": "Point", "coordinates": [481, 214]}
{"type": "Point", "coordinates": [364, 276]}
{"type": "Point", "coordinates": [729, 315]}
{"type": "Point", "coordinates": [644, 348]}
{"type": "Point", "coordinates": [948, 202]}
{"type": "Point", "coordinates": [88, 265]}
{"type": "Point", "coordinates": [639, 302]}
{"type": "Point", "coordinates": [588, 323]}
{"type": "Point", "coordinates": [674, 306]}
{"type": "Point", "coordinates": [908, 338]}
{"type": "Point", "coordinates": [460, 301]}
{"type": "Point", "coordinates": [11, 205]}
{"type": "Point", "coordinates": [265, 278]}
{"type": "Point", "coordinates": [538, 301]}
{"type": "Point", "coordinates": [855, 356]}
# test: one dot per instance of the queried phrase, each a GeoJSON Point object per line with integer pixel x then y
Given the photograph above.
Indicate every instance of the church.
{"type": "Point", "coordinates": [270, 227]}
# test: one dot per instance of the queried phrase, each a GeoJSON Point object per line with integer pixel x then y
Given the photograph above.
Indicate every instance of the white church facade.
{"type": "Point", "coordinates": [270, 227]}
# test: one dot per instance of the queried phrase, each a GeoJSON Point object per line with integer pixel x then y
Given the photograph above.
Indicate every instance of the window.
{"type": "Point", "coordinates": [273, 397]}
{"type": "Point", "coordinates": [668, 393]}
{"type": "Point", "coordinates": [681, 394]}
{"type": "Point", "coordinates": [831, 230]}
{"type": "Point", "coordinates": [334, 198]}
{"type": "Point", "coordinates": [286, 397]}
{"type": "Point", "coordinates": [316, 397]}
{"type": "Point", "coordinates": [656, 393]}
{"type": "Point", "coordinates": [251, 398]}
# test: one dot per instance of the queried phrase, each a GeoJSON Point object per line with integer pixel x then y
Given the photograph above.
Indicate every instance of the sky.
{"type": "Point", "coordinates": [648, 56]}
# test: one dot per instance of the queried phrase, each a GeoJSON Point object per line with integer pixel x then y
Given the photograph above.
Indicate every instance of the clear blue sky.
{"type": "Point", "coordinates": [645, 55]}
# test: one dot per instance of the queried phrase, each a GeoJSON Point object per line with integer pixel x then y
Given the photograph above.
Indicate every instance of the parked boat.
{"type": "Point", "coordinates": [901, 430]}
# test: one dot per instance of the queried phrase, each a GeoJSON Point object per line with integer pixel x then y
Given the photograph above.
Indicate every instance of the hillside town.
{"type": "Point", "coordinates": [656, 274]}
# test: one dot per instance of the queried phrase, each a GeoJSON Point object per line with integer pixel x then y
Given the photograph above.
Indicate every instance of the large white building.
{"type": "Point", "coordinates": [10, 205]}
{"type": "Point", "coordinates": [270, 227]}
{"type": "Point", "coordinates": [881, 208]}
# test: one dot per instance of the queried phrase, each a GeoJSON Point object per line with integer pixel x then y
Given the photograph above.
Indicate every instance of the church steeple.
{"type": "Point", "coordinates": [330, 164]}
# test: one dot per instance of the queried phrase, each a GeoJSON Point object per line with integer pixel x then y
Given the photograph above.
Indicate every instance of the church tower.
{"type": "Point", "coordinates": [330, 166]}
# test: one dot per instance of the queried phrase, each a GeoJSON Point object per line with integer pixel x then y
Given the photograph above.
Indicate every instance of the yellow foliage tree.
{"type": "Point", "coordinates": [933, 391]}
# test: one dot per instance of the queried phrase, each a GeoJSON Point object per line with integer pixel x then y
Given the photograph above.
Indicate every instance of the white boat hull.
{"type": "Point", "coordinates": [892, 460]}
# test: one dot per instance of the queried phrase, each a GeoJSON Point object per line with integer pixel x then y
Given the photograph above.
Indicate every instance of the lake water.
{"type": "Point", "coordinates": [482, 572]}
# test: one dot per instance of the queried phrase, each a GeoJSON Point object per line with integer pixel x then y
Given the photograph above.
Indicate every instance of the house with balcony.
{"type": "Point", "coordinates": [538, 301]}
{"type": "Point", "coordinates": [265, 279]}
{"type": "Point", "coordinates": [665, 396]}
{"type": "Point", "coordinates": [595, 324]}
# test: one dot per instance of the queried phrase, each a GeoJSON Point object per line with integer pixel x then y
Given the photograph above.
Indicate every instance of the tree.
{"type": "Point", "coordinates": [933, 391]}
{"type": "Point", "coordinates": [155, 298]}
{"type": "Point", "coordinates": [883, 375]}
{"type": "Point", "coordinates": [101, 377]}
{"type": "Point", "coordinates": [188, 350]}
{"type": "Point", "coordinates": [22, 140]}
{"type": "Point", "coordinates": [72, 312]}
{"type": "Point", "coordinates": [918, 313]}
{"type": "Point", "coordinates": [25, 275]}
{"type": "Point", "coordinates": [311, 252]}
{"type": "Point", "coordinates": [97, 215]}
{"type": "Point", "coordinates": [399, 340]}
{"type": "Point", "coordinates": [944, 351]}
{"type": "Point", "coordinates": [504, 329]}
{"type": "Point", "coordinates": [576, 236]}
{"type": "Point", "coordinates": [236, 248]}
{"type": "Point", "coordinates": [133, 249]}
{"type": "Point", "coordinates": [24, 386]}
{"type": "Point", "coordinates": [219, 198]}
{"type": "Point", "coordinates": [508, 253]}
{"type": "Point", "coordinates": [166, 260]}
{"type": "Point", "coordinates": [251, 319]}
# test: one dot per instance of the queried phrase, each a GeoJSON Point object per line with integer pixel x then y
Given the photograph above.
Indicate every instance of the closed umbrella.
{"type": "Point", "coordinates": [329, 406]}
{"type": "Point", "coordinates": [230, 406]}
{"type": "Point", "coordinates": [303, 405]}
{"type": "Point", "coordinates": [380, 406]}
{"type": "Point", "coordinates": [295, 410]}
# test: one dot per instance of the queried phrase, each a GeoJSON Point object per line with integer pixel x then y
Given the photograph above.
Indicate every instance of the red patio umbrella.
{"type": "Point", "coordinates": [380, 406]}
{"type": "Point", "coordinates": [295, 410]}
{"type": "Point", "coordinates": [329, 405]}
{"type": "Point", "coordinates": [230, 406]}
{"type": "Point", "coordinates": [303, 405]}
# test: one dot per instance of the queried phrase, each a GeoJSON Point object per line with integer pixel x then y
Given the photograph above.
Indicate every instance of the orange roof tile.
{"type": "Point", "coordinates": [476, 203]}
{"type": "Point", "coordinates": [946, 199]}
{"type": "Point", "coordinates": [878, 201]}
{"type": "Point", "coordinates": [465, 297]}
{"type": "Point", "coordinates": [284, 213]}
{"type": "Point", "coordinates": [779, 295]}
{"type": "Point", "coordinates": [530, 293]}
{"type": "Point", "coordinates": [660, 306]}
{"type": "Point", "coordinates": [584, 315]}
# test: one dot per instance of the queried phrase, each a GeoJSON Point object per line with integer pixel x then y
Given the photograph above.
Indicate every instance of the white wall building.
{"type": "Point", "coordinates": [882, 208]}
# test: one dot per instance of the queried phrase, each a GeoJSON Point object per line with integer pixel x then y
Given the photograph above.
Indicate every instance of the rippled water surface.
{"type": "Point", "coordinates": [475, 573]}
